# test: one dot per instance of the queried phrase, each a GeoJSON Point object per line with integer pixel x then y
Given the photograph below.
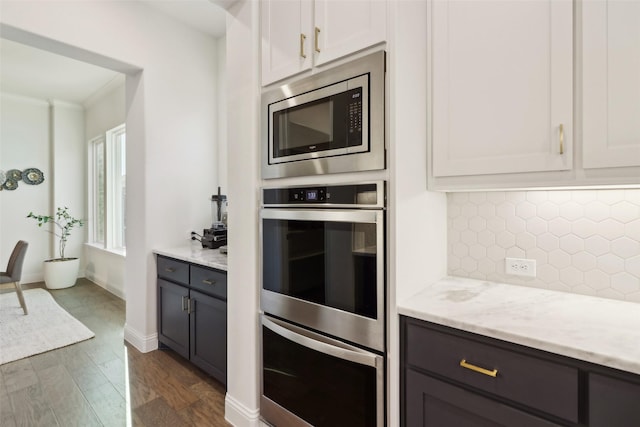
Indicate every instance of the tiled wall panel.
{"type": "Point", "coordinates": [585, 241]}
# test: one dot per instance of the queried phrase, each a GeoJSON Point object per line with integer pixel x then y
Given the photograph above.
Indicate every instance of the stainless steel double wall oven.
{"type": "Point", "coordinates": [323, 296]}
{"type": "Point", "coordinates": [323, 302]}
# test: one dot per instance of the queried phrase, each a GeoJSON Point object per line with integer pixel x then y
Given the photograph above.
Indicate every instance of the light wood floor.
{"type": "Point", "coordinates": [104, 381]}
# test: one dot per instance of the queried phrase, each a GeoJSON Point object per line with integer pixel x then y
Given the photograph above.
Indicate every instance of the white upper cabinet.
{"type": "Point", "coordinates": [501, 88]}
{"type": "Point", "coordinates": [611, 83]}
{"type": "Point", "coordinates": [300, 34]}
{"type": "Point", "coordinates": [343, 27]}
{"type": "Point", "coordinates": [286, 40]}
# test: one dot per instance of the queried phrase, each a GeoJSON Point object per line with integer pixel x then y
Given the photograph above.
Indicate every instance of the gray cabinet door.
{"type": "Point", "coordinates": [209, 335]}
{"type": "Point", "coordinates": [173, 318]}
{"type": "Point", "coordinates": [613, 402]}
{"type": "Point", "coordinates": [433, 403]}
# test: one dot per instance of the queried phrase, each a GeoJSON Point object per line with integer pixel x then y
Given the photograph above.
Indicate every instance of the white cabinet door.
{"type": "Point", "coordinates": [611, 83]}
{"type": "Point", "coordinates": [346, 26]}
{"type": "Point", "coordinates": [502, 86]}
{"type": "Point", "coordinates": [286, 38]}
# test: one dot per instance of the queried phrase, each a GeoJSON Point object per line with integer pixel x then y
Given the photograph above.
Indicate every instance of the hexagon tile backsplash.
{"type": "Point", "coordinates": [583, 241]}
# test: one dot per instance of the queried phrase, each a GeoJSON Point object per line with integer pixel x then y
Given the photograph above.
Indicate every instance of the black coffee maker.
{"type": "Point", "coordinates": [215, 236]}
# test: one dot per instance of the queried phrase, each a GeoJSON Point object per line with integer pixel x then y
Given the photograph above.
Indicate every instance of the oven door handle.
{"type": "Point", "coordinates": [323, 344]}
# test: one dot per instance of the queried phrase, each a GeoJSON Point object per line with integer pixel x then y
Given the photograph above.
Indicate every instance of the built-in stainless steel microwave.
{"type": "Point", "coordinates": [330, 122]}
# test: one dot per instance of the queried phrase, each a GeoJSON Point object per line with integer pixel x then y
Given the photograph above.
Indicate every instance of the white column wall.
{"type": "Point", "coordinates": [418, 218]}
{"type": "Point", "coordinates": [69, 165]}
{"type": "Point", "coordinates": [243, 95]}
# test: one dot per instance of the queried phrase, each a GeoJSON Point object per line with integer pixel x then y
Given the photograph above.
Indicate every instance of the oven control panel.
{"type": "Point", "coordinates": [308, 195]}
{"type": "Point", "coordinates": [357, 195]}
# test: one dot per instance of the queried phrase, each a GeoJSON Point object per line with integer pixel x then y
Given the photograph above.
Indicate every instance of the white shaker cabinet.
{"type": "Point", "coordinates": [300, 34]}
{"type": "Point", "coordinates": [501, 88]}
{"type": "Point", "coordinates": [286, 40]}
{"type": "Point", "coordinates": [611, 83]}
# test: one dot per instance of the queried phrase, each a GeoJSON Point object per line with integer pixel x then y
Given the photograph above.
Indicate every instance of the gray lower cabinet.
{"type": "Point", "coordinates": [613, 402]}
{"type": "Point", "coordinates": [452, 378]}
{"type": "Point", "coordinates": [192, 314]}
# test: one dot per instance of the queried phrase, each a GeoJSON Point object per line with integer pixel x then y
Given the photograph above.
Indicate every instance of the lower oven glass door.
{"type": "Point", "coordinates": [310, 379]}
{"type": "Point", "coordinates": [325, 269]}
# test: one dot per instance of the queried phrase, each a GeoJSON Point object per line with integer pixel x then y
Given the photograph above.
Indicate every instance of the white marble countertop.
{"type": "Point", "coordinates": [196, 254]}
{"type": "Point", "coordinates": [597, 330]}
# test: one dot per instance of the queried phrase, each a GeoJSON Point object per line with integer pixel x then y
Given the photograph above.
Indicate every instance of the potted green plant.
{"type": "Point", "coordinates": [60, 272]}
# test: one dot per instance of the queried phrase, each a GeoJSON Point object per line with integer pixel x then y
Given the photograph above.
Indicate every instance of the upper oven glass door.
{"type": "Point", "coordinates": [325, 269]}
{"type": "Point", "coordinates": [329, 121]}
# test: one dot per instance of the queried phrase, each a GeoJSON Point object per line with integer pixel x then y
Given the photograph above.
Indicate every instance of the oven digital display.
{"type": "Point", "coordinates": [311, 195]}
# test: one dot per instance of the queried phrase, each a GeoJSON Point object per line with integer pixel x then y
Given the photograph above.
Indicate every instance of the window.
{"type": "Point", "coordinates": [107, 189]}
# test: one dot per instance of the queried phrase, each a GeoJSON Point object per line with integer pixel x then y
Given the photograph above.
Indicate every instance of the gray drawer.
{"type": "Point", "coordinates": [174, 270]}
{"type": "Point", "coordinates": [209, 281]}
{"type": "Point", "coordinates": [537, 383]}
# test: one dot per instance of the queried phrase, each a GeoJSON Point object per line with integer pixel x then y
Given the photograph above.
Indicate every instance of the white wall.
{"type": "Point", "coordinates": [103, 111]}
{"type": "Point", "coordinates": [24, 143]}
{"type": "Point", "coordinates": [221, 86]}
{"type": "Point", "coordinates": [48, 136]}
{"type": "Point", "coordinates": [171, 133]}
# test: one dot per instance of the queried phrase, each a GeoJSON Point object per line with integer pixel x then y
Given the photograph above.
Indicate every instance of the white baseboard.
{"type": "Point", "coordinates": [144, 343]}
{"type": "Point", "coordinates": [239, 415]}
{"type": "Point", "coordinates": [32, 278]}
{"type": "Point", "coordinates": [105, 285]}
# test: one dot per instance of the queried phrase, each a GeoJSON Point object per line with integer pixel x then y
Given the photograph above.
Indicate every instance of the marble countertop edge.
{"type": "Point", "coordinates": [194, 253]}
{"type": "Point", "coordinates": [608, 343]}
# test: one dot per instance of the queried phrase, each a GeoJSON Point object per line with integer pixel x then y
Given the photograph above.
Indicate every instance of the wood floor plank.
{"type": "Point", "coordinates": [201, 413]}
{"type": "Point", "coordinates": [175, 393]}
{"type": "Point", "coordinates": [30, 408]}
{"type": "Point", "coordinates": [6, 413]}
{"type": "Point", "coordinates": [114, 371]}
{"type": "Point", "coordinates": [158, 413]}
{"type": "Point", "coordinates": [140, 393]}
{"type": "Point", "coordinates": [18, 375]}
{"type": "Point", "coordinates": [108, 404]}
{"type": "Point", "coordinates": [65, 398]}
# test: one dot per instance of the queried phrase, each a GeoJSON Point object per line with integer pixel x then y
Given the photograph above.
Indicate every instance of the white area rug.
{"type": "Point", "coordinates": [47, 326]}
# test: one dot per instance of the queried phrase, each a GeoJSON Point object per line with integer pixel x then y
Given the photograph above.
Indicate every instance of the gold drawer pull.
{"type": "Point", "coordinates": [208, 281]}
{"type": "Point", "coordinates": [475, 368]}
{"type": "Point", "coordinates": [170, 270]}
{"type": "Point", "coordinates": [561, 139]}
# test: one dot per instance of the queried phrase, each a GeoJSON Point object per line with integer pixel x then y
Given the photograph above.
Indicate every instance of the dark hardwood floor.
{"type": "Point", "coordinates": [104, 381]}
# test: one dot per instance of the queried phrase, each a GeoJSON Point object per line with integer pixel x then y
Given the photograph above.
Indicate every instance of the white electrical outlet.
{"type": "Point", "coordinates": [520, 267]}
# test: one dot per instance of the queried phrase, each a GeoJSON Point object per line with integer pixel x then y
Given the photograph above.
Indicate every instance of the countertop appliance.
{"type": "Point", "coordinates": [216, 236]}
{"type": "Point", "coordinates": [330, 122]}
{"type": "Point", "coordinates": [323, 302]}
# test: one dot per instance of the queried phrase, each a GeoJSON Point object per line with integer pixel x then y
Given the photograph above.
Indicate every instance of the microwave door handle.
{"type": "Point", "coordinates": [312, 341]}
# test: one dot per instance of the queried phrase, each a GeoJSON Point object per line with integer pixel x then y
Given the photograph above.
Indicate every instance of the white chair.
{"type": "Point", "coordinates": [14, 271]}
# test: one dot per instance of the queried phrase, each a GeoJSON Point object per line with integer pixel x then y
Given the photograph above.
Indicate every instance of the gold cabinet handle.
{"type": "Point", "coordinates": [302, 39]}
{"type": "Point", "coordinates": [184, 303]}
{"type": "Point", "coordinates": [475, 368]}
{"type": "Point", "coordinates": [170, 270]}
{"type": "Point", "coordinates": [561, 139]}
{"type": "Point", "coordinates": [208, 281]}
{"type": "Point", "coordinates": [316, 40]}
{"type": "Point", "coordinates": [191, 308]}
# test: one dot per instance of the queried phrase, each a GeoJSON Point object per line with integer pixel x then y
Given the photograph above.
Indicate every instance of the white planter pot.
{"type": "Point", "coordinates": [60, 274]}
